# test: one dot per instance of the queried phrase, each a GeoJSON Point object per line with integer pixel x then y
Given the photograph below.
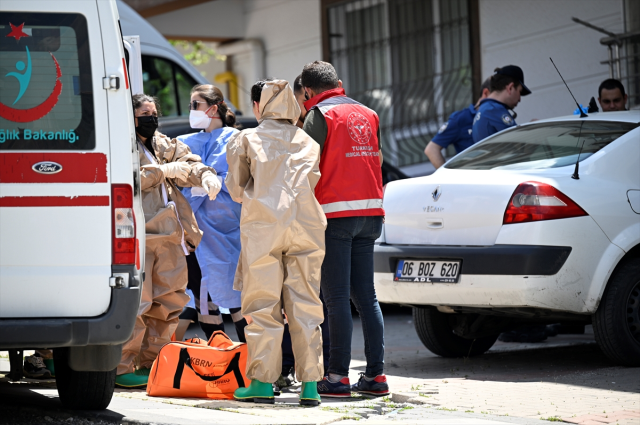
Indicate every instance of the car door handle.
{"type": "Point", "coordinates": [435, 223]}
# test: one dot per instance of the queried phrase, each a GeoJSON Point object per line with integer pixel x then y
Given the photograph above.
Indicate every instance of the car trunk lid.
{"type": "Point", "coordinates": [451, 207]}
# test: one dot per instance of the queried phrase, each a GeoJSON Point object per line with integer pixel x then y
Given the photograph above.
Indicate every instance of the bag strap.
{"type": "Point", "coordinates": [185, 359]}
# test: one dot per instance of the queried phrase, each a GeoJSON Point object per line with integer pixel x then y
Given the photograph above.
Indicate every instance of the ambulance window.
{"type": "Point", "coordinates": [46, 95]}
{"type": "Point", "coordinates": [158, 81]}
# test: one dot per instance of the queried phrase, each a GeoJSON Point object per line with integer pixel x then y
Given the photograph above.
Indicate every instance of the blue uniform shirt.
{"type": "Point", "coordinates": [457, 130]}
{"type": "Point", "coordinates": [492, 117]}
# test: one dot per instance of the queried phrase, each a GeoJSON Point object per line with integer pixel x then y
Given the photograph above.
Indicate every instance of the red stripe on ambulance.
{"type": "Point", "coordinates": [54, 201]}
{"type": "Point", "coordinates": [76, 167]}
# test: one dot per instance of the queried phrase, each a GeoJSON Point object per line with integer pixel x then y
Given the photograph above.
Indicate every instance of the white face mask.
{"type": "Point", "coordinates": [199, 119]}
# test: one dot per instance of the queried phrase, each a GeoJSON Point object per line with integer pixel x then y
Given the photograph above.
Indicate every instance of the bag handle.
{"type": "Point", "coordinates": [185, 359]}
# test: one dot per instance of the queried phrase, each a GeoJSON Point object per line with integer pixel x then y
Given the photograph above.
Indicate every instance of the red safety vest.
{"type": "Point", "coordinates": [351, 179]}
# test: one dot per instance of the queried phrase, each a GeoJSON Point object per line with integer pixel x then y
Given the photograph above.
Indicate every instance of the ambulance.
{"type": "Point", "coordinates": [71, 221]}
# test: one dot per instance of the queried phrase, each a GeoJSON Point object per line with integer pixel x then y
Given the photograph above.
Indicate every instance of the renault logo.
{"type": "Point", "coordinates": [436, 194]}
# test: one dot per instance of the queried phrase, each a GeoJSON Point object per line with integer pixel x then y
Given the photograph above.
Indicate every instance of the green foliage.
{"type": "Point", "coordinates": [198, 53]}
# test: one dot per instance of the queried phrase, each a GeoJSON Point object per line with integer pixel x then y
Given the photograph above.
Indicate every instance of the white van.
{"type": "Point", "coordinates": [167, 75]}
{"type": "Point", "coordinates": [71, 221]}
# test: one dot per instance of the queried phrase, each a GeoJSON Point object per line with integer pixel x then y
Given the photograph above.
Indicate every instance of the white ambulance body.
{"type": "Point", "coordinates": [71, 222]}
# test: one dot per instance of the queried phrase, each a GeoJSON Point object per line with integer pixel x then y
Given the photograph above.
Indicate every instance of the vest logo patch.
{"type": "Point", "coordinates": [359, 128]}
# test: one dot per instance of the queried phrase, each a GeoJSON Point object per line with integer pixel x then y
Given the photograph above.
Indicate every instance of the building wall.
{"type": "Point", "coordinates": [290, 35]}
{"type": "Point", "coordinates": [290, 30]}
{"type": "Point", "coordinates": [220, 19]}
{"type": "Point", "coordinates": [528, 32]}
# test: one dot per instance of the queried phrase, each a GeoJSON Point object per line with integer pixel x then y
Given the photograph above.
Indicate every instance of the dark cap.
{"type": "Point", "coordinates": [515, 72]}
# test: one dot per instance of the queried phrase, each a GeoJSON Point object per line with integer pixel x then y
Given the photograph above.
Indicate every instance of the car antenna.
{"type": "Point", "coordinates": [582, 114]}
{"type": "Point", "coordinates": [576, 175]}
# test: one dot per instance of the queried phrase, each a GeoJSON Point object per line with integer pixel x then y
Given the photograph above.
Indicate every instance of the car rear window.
{"type": "Point", "coordinates": [46, 95]}
{"type": "Point", "coordinates": [540, 146]}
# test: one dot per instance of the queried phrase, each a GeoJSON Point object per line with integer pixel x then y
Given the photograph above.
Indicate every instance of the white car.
{"type": "Point", "coordinates": [511, 232]}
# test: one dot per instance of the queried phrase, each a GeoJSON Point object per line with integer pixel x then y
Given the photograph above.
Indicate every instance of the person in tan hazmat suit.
{"type": "Point", "coordinates": [273, 170]}
{"type": "Point", "coordinates": [171, 233]}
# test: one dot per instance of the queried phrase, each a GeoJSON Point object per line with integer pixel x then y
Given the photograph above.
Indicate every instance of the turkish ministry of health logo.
{"type": "Point", "coordinates": [23, 77]}
{"type": "Point", "coordinates": [359, 128]}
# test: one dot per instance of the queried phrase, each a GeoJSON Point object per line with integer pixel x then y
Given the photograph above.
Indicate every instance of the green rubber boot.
{"type": "Point", "coordinates": [309, 394]}
{"type": "Point", "coordinates": [143, 371]}
{"type": "Point", "coordinates": [49, 364]}
{"type": "Point", "coordinates": [137, 379]}
{"type": "Point", "coordinates": [257, 392]}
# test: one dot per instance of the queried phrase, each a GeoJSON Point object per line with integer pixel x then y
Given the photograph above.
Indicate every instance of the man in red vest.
{"type": "Point", "coordinates": [350, 193]}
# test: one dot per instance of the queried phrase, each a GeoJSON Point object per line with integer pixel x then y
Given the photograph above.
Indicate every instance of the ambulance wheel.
{"type": "Point", "coordinates": [435, 330]}
{"type": "Point", "coordinates": [82, 390]}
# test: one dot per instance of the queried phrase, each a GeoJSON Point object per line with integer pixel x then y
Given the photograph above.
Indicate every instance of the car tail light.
{"type": "Point", "coordinates": [534, 201]}
{"type": "Point", "coordinates": [123, 223]}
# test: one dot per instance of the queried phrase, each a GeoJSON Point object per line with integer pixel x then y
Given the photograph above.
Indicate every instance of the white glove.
{"type": "Point", "coordinates": [212, 184]}
{"type": "Point", "coordinates": [176, 170]}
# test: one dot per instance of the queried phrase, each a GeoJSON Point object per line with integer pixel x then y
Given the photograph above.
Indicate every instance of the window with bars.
{"type": "Point", "coordinates": [409, 60]}
{"type": "Point", "coordinates": [632, 50]}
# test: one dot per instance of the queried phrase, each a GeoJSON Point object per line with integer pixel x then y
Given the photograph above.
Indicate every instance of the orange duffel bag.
{"type": "Point", "coordinates": [195, 369]}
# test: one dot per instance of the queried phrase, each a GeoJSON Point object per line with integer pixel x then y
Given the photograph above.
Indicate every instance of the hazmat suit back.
{"type": "Point", "coordinates": [273, 170]}
{"type": "Point", "coordinates": [171, 232]}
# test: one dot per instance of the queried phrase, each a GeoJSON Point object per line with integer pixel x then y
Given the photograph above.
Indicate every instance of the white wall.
{"type": "Point", "coordinates": [290, 31]}
{"type": "Point", "coordinates": [220, 18]}
{"type": "Point", "coordinates": [527, 32]}
{"type": "Point", "coordinates": [289, 34]}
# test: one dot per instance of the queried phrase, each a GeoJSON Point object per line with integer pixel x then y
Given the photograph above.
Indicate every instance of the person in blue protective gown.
{"type": "Point", "coordinates": [212, 269]}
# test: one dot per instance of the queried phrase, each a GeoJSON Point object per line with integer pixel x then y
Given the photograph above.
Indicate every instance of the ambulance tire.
{"type": "Point", "coordinates": [82, 390]}
{"type": "Point", "coordinates": [436, 333]}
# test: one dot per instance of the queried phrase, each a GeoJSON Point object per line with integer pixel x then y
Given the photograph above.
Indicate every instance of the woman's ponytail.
{"type": "Point", "coordinates": [227, 115]}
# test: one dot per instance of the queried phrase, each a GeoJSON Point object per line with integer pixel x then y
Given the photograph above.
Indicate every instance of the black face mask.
{"type": "Point", "coordinates": [147, 125]}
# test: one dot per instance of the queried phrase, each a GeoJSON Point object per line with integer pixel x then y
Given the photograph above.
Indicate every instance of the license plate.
{"type": "Point", "coordinates": [441, 271]}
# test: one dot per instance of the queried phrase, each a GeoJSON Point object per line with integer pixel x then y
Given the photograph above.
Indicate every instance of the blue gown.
{"type": "Point", "coordinates": [219, 221]}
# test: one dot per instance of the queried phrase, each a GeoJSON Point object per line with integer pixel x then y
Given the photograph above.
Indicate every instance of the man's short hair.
{"type": "Point", "coordinates": [486, 84]}
{"type": "Point", "coordinates": [319, 76]}
{"type": "Point", "coordinates": [256, 89]}
{"type": "Point", "coordinates": [611, 84]}
{"type": "Point", "coordinates": [297, 85]}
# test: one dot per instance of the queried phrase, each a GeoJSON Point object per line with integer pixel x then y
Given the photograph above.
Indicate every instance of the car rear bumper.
{"type": "Point", "coordinates": [545, 274]}
{"type": "Point", "coordinates": [113, 327]}
{"type": "Point", "coordinates": [481, 260]}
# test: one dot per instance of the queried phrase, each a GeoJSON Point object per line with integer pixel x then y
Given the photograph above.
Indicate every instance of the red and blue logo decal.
{"type": "Point", "coordinates": [23, 77]}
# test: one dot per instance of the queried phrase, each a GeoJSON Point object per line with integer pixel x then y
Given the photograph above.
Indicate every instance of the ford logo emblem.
{"type": "Point", "coordinates": [47, 167]}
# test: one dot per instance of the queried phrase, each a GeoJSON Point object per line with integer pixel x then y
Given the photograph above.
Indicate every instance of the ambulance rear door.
{"type": "Point", "coordinates": [55, 161]}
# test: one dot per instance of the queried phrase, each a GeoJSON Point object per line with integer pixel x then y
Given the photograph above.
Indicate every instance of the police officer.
{"type": "Point", "coordinates": [611, 96]}
{"type": "Point", "coordinates": [496, 111]}
{"type": "Point", "coordinates": [456, 131]}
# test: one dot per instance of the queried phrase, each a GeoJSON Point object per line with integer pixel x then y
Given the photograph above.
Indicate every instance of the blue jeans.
{"type": "Point", "coordinates": [347, 273]}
